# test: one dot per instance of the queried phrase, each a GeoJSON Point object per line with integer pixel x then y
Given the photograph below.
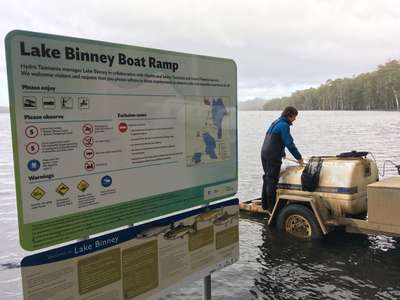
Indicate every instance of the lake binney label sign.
{"type": "Point", "coordinates": [141, 262]}
{"type": "Point", "coordinates": [106, 135]}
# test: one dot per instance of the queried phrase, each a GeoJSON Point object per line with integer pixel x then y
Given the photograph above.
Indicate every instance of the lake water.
{"type": "Point", "coordinates": [341, 266]}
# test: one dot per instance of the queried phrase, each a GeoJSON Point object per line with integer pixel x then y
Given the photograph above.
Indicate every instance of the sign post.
{"type": "Point", "coordinates": [207, 287]}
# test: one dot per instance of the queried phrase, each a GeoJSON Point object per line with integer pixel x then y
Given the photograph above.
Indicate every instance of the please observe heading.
{"type": "Point", "coordinates": [74, 53]}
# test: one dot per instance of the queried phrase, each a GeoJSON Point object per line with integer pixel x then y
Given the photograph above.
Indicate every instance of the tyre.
{"type": "Point", "coordinates": [299, 221]}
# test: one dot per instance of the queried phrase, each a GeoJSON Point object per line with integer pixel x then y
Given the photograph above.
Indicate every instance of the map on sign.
{"type": "Point", "coordinates": [208, 135]}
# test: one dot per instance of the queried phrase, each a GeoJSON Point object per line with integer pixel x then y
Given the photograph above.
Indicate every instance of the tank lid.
{"type": "Point", "coordinates": [353, 154]}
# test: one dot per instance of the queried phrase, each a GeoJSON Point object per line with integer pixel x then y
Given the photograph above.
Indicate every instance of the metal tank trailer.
{"type": "Point", "coordinates": [347, 190]}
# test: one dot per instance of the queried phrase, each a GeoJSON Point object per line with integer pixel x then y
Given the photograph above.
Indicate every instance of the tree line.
{"type": "Point", "coordinates": [377, 90]}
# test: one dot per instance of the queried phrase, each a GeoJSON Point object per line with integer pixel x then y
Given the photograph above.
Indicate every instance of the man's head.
{"type": "Point", "coordinates": [290, 113]}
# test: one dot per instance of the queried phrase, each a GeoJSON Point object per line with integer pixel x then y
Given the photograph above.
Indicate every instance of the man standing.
{"type": "Point", "coordinates": [273, 150]}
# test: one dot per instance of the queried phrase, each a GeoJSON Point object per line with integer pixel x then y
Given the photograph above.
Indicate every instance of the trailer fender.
{"type": "Point", "coordinates": [313, 202]}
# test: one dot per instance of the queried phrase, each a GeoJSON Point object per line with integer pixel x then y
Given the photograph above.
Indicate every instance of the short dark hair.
{"type": "Point", "coordinates": [289, 111]}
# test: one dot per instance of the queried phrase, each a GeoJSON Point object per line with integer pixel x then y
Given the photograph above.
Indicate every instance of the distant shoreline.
{"type": "Point", "coordinates": [372, 110]}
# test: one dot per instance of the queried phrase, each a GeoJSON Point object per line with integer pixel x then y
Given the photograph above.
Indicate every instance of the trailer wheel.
{"type": "Point", "coordinates": [299, 221]}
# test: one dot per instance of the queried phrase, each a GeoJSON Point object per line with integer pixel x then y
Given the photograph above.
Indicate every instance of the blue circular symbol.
{"type": "Point", "coordinates": [33, 165]}
{"type": "Point", "coordinates": [106, 181]}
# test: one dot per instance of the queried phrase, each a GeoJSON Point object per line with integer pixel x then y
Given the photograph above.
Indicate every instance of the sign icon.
{"type": "Point", "coordinates": [33, 165]}
{"type": "Point", "coordinates": [48, 103]}
{"type": "Point", "coordinates": [88, 153]}
{"type": "Point", "coordinates": [31, 131]}
{"type": "Point", "coordinates": [82, 185]}
{"type": "Point", "coordinates": [122, 127]}
{"type": "Point", "coordinates": [89, 165]}
{"type": "Point", "coordinates": [62, 189]}
{"type": "Point", "coordinates": [38, 193]}
{"type": "Point", "coordinates": [29, 102]}
{"type": "Point", "coordinates": [88, 141]}
{"type": "Point", "coordinates": [87, 129]}
{"type": "Point", "coordinates": [67, 102]}
{"type": "Point", "coordinates": [83, 102]}
{"type": "Point", "coordinates": [106, 181]}
{"type": "Point", "coordinates": [32, 148]}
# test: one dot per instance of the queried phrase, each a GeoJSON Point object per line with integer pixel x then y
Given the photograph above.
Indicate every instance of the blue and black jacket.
{"type": "Point", "coordinates": [276, 139]}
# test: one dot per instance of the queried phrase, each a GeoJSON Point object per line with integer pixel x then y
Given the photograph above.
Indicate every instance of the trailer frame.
{"type": "Point", "coordinates": [326, 221]}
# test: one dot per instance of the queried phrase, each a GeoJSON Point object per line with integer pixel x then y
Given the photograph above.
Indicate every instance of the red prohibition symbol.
{"type": "Point", "coordinates": [122, 127]}
{"type": "Point", "coordinates": [87, 129]}
{"type": "Point", "coordinates": [31, 131]}
{"type": "Point", "coordinates": [88, 153]}
{"type": "Point", "coordinates": [32, 148]}
{"type": "Point", "coordinates": [89, 165]}
{"type": "Point", "coordinates": [88, 141]}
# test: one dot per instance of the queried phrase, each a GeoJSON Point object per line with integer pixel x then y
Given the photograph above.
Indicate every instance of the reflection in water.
{"type": "Point", "coordinates": [341, 266]}
{"type": "Point", "coordinates": [10, 265]}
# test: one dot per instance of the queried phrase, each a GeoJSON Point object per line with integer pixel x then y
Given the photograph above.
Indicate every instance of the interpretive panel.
{"type": "Point", "coordinates": [139, 262]}
{"type": "Point", "coordinates": [106, 135]}
{"type": "Point", "coordinates": [99, 270]}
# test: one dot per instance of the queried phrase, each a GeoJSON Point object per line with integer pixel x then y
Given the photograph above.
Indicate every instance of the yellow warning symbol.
{"type": "Point", "coordinates": [38, 193]}
{"type": "Point", "coordinates": [62, 189]}
{"type": "Point", "coordinates": [82, 185]}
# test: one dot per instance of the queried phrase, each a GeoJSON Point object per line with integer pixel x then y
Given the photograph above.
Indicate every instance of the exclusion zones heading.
{"type": "Point", "coordinates": [74, 53]}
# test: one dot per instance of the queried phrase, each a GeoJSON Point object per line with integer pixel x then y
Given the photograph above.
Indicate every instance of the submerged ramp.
{"type": "Point", "coordinates": [253, 206]}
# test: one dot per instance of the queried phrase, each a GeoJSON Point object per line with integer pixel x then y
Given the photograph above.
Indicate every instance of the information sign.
{"type": "Point", "coordinates": [106, 135]}
{"type": "Point", "coordinates": [139, 262]}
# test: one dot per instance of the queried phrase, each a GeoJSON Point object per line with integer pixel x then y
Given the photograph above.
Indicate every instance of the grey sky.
{"type": "Point", "coordinates": [279, 46]}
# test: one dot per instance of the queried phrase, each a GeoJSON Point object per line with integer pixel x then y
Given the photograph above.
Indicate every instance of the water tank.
{"type": "Point", "coordinates": [342, 184]}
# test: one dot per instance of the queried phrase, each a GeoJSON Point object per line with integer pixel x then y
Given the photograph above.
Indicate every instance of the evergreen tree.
{"type": "Point", "coordinates": [378, 90]}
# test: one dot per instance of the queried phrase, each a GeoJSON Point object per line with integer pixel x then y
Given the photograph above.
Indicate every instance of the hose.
{"type": "Point", "coordinates": [295, 161]}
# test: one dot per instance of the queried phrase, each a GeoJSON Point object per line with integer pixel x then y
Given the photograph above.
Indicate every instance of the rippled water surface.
{"type": "Point", "coordinates": [341, 266]}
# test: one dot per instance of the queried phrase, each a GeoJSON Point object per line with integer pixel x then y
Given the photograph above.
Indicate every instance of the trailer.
{"type": "Point", "coordinates": [349, 194]}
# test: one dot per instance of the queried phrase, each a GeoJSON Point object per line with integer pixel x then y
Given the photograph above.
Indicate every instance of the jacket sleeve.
{"type": "Point", "coordinates": [288, 141]}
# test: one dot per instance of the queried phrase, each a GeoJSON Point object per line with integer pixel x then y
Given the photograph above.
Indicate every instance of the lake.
{"type": "Point", "coordinates": [341, 266]}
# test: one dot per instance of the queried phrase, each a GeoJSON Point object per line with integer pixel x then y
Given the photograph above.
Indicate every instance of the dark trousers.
{"type": "Point", "coordinates": [270, 181]}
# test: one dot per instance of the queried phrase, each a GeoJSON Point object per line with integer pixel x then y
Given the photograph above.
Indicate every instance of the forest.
{"type": "Point", "coordinates": [377, 90]}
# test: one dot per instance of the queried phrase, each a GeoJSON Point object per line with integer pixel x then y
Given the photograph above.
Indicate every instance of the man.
{"type": "Point", "coordinates": [273, 150]}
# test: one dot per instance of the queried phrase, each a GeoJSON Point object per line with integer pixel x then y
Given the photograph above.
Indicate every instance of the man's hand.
{"type": "Point", "coordinates": [300, 161]}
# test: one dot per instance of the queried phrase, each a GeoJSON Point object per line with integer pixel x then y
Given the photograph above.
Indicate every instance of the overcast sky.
{"type": "Point", "coordinates": [279, 46]}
